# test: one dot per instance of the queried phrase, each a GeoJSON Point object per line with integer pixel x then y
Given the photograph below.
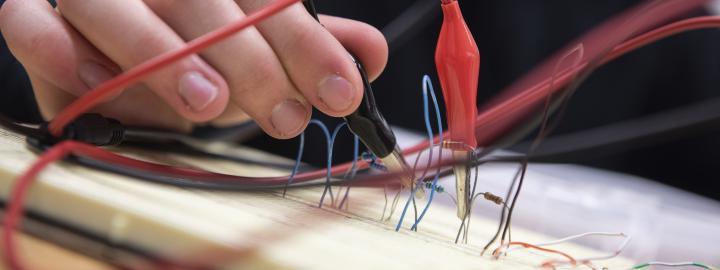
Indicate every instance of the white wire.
{"type": "Point", "coordinates": [582, 235]}
{"type": "Point", "coordinates": [611, 255]}
{"type": "Point", "coordinates": [614, 254]}
{"type": "Point", "coordinates": [573, 237]}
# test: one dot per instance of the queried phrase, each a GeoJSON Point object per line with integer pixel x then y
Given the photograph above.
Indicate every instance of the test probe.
{"type": "Point", "coordinates": [457, 60]}
{"type": "Point", "coordinates": [371, 127]}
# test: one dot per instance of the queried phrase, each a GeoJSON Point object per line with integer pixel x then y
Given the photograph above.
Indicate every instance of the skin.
{"type": "Point", "coordinates": [272, 73]}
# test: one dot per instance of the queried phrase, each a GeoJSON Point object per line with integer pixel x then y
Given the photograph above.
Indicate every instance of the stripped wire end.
{"type": "Point", "coordinates": [395, 162]}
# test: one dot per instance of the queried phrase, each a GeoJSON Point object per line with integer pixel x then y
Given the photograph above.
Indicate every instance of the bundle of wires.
{"type": "Point", "coordinates": [613, 39]}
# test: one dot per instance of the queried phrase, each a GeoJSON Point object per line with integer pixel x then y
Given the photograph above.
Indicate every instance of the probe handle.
{"type": "Point", "coordinates": [457, 59]}
{"type": "Point", "coordinates": [368, 123]}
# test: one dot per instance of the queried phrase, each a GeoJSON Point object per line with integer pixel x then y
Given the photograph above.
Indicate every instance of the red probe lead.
{"type": "Point", "coordinates": [458, 64]}
{"type": "Point", "coordinates": [457, 59]}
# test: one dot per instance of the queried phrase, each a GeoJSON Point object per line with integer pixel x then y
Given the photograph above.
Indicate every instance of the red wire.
{"type": "Point", "coordinates": [485, 119]}
{"type": "Point", "coordinates": [132, 76]}
{"type": "Point", "coordinates": [14, 213]}
{"type": "Point", "coordinates": [498, 115]}
{"type": "Point", "coordinates": [490, 122]}
{"type": "Point", "coordinates": [18, 195]}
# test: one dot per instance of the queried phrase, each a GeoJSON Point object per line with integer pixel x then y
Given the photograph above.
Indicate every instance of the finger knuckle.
{"type": "Point", "coordinates": [262, 75]}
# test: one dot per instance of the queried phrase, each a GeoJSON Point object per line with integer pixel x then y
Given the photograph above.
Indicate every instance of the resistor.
{"type": "Point", "coordinates": [493, 198]}
{"type": "Point", "coordinates": [371, 159]}
{"type": "Point", "coordinates": [438, 188]}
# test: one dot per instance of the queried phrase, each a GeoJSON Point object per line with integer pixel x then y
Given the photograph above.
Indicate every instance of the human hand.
{"type": "Point", "coordinates": [272, 73]}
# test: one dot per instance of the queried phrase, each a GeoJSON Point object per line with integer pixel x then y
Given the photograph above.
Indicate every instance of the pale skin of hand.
{"type": "Point", "coordinates": [273, 73]}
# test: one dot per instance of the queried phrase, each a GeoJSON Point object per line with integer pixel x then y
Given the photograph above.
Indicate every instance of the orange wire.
{"type": "Point", "coordinates": [571, 260]}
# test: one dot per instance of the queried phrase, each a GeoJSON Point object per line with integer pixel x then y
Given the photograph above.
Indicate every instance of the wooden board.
{"type": "Point", "coordinates": [40, 254]}
{"type": "Point", "coordinates": [234, 230]}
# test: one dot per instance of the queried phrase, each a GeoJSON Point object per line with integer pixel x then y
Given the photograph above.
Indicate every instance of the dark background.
{"type": "Point", "coordinates": [513, 36]}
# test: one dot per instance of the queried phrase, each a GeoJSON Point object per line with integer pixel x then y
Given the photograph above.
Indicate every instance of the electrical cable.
{"type": "Point", "coordinates": [518, 100]}
{"type": "Point", "coordinates": [545, 128]}
{"type": "Point", "coordinates": [535, 88]}
{"type": "Point", "coordinates": [201, 152]}
{"type": "Point", "coordinates": [673, 264]}
{"type": "Point", "coordinates": [238, 133]}
{"type": "Point", "coordinates": [21, 186]}
{"type": "Point", "coordinates": [19, 191]}
{"type": "Point", "coordinates": [633, 44]}
{"type": "Point", "coordinates": [499, 251]}
{"type": "Point", "coordinates": [484, 119]}
{"type": "Point", "coordinates": [427, 87]}
{"type": "Point", "coordinates": [331, 145]}
{"type": "Point", "coordinates": [409, 23]}
{"type": "Point", "coordinates": [629, 134]}
{"type": "Point", "coordinates": [353, 170]}
{"type": "Point", "coordinates": [19, 128]}
{"type": "Point", "coordinates": [611, 255]}
{"type": "Point", "coordinates": [609, 55]}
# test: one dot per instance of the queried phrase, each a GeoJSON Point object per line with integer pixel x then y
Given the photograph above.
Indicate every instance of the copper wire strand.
{"type": "Point", "coordinates": [498, 252]}
{"type": "Point", "coordinates": [382, 217]}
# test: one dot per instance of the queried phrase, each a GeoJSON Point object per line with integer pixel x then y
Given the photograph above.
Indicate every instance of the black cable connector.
{"type": "Point", "coordinates": [89, 128]}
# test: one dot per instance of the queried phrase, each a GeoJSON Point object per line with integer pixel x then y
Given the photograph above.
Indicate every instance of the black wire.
{"type": "Point", "coordinates": [635, 133]}
{"type": "Point", "coordinates": [508, 223]}
{"type": "Point", "coordinates": [170, 142]}
{"type": "Point", "coordinates": [219, 185]}
{"type": "Point", "coordinates": [13, 126]}
{"type": "Point", "coordinates": [412, 20]}
{"type": "Point", "coordinates": [178, 148]}
{"type": "Point", "coordinates": [503, 214]}
{"type": "Point", "coordinates": [408, 24]}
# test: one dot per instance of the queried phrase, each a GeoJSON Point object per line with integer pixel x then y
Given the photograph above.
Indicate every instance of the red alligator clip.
{"type": "Point", "coordinates": [457, 59]}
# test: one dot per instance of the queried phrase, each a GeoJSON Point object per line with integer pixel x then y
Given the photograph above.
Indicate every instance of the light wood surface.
{"type": "Point", "coordinates": [40, 254]}
{"type": "Point", "coordinates": [258, 230]}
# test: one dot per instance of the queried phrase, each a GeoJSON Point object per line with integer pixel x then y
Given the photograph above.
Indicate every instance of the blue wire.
{"type": "Point", "coordinates": [330, 143]}
{"type": "Point", "coordinates": [356, 155]}
{"type": "Point", "coordinates": [353, 169]}
{"type": "Point", "coordinates": [325, 131]}
{"type": "Point", "coordinates": [301, 149]}
{"type": "Point", "coordinates": [427, 84]}
{"type": "Point", "coordinates": [371, 159]}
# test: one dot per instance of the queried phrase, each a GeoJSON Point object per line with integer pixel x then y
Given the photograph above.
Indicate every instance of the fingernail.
{"type": "Point", "coordinates": [93, 74]}
{"type": "Point", "coordinates": [336, 92]}
{"type": "Point", "coordinates": [196, 90]}
{"type": "Point", "coordinates": [289, 117]}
